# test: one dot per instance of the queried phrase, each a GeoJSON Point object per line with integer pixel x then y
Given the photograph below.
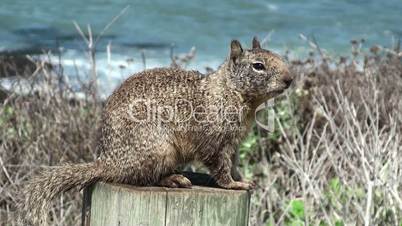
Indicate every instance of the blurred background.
{"type": "Point", "coordinates": [334, 156]}
{"type": "Point", "coordinates": [154, 26]}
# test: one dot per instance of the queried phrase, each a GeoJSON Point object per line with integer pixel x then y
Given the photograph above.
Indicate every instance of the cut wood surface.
{"type": "Point", "coordinates": [125, 205]}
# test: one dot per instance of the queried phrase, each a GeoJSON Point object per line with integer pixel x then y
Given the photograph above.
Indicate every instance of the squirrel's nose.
{"type": "Point", "coordinates": [287, 78]}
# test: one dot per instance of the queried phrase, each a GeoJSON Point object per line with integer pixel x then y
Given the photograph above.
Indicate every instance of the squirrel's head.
{"type": "Point", "coordinates": [256, 72]}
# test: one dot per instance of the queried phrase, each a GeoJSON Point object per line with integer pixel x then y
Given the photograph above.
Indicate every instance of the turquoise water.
{"type": "Point", "coordinates": [207, 25]}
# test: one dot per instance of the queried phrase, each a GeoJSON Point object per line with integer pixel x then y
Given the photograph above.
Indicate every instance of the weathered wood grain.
{"type": "Point", "coordinates": [123, 205]}
{"type": "Point", "coordinates": [207, 206]}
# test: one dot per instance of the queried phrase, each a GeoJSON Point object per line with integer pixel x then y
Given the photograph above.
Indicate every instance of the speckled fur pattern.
{"type": "Point", "coordinates": [160, 119]}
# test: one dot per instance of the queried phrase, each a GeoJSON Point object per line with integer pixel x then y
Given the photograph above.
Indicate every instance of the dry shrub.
{"type": "Point", "coordinates": [337, 159]}
{"type": "Point", "coordinates": [46, 126]}
{"type": "Point", "coordinates": [45, 121]}
{"type": "Point", "coordinates": [335, 156]}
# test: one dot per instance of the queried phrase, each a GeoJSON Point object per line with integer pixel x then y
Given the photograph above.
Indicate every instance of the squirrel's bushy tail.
{"type": "Point", "coordinates": [41, 189]}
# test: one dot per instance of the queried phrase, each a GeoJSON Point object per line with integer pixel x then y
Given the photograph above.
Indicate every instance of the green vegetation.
{"type": "Point", "coordinates": [333, 157]}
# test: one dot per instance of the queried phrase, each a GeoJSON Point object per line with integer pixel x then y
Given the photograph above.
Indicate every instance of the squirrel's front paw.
{"type": "Point", "coordinates": [175, 181]}
{"type": "Point", "coordinates": [239, 185]}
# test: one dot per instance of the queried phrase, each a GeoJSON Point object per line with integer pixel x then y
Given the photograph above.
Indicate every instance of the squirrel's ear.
{"type": "Point", "coordinates": [256, 43]}
{"type": "Point", "coordinates": [235, 50]}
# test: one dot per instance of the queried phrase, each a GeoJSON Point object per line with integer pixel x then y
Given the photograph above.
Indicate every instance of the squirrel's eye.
{"type": "Point", "coordinates": [258, 66]}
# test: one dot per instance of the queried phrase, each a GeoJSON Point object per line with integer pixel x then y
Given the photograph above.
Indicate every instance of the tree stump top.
{"type": "Point", "coordinates": [125, 205]}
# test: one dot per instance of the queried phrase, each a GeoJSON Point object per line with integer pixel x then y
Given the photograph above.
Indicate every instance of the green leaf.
{"type": "Point", "coordinates": [339, 223]}
{"type": "Point", "coordinates": [322, 223]}
{"type": "Point", "coordinates": [297, 208]}
{"type": "Point", "coordinates": [250, 141]}
{"type": "Point", "coordinates": [335, 185]}
{"type": "Point", "coordinates": [8, 110]}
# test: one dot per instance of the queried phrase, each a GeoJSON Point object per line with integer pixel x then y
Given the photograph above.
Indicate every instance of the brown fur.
{"type": "Point", "coordinates": [162, 118]}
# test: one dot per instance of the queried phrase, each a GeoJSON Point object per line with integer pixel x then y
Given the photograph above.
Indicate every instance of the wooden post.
{"type": "Point", "coordinates": [124, 205]}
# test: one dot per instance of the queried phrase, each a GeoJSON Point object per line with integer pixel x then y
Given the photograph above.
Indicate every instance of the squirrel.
{"type": "Point", "coordinates": [160, 119]}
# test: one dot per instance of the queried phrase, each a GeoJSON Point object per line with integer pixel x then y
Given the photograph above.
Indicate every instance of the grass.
{"type": "Point", "coordinates": [334, 157]}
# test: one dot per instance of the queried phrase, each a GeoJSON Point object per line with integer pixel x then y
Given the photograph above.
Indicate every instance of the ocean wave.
{"type": "Point", "coordinates": [113, 69]}
{"type": "Point", "coordinates": [272, 7]}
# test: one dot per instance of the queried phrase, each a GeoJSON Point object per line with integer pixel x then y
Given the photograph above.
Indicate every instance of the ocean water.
{"type": "Point", "coordinates": [152, 27]}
